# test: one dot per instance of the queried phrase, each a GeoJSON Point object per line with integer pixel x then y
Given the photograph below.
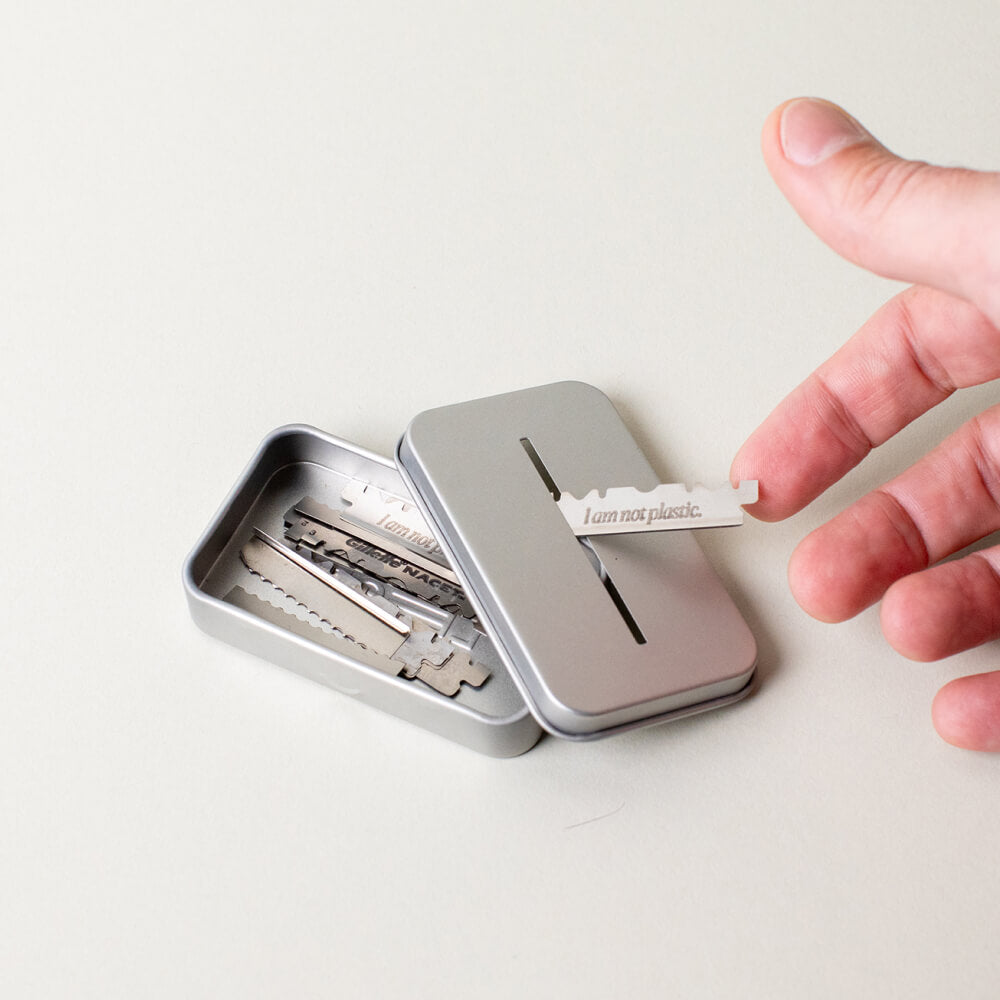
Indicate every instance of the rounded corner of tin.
{"type": "Point", "coordinates": [577, 385]}
{"type": "Point", "coordinates": [403, 452]}
{"type": "Point", "coordinates": [191, 588]}
{"type": "Point", "coordinates": [407, 447]}
{"type": "Point", "coordinates": [751, 681]}
{"type": "Point", "coordinates": [284, 436]}
{"type": "Point", "coordinates": [289, 430]}
{"type": "Point", "coordinates": [512, 736]}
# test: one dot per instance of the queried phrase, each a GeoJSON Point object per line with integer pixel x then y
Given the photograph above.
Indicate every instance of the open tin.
{"type": "Point", "coordinates": [591, 639]}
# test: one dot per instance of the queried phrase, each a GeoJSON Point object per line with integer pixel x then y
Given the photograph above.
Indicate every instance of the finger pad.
{"type": "Point", "coordinates": [756, 460]}
{"type": "Point", "coordinates": [966, 712]}
{"type": "Point", "coordinates": [797, 452]}
{"type": "Point", "coordinates": [819, 583]}
{"type": "Point", "coordinates": [943, 611]}
{"type": "Point", "coordinates": [917, 622]}
{"type": "Point", "coordinates": [848, 563]}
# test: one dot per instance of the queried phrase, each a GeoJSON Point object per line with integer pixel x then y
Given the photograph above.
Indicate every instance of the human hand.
{"type": "Point", "coordinates": [939, 228]}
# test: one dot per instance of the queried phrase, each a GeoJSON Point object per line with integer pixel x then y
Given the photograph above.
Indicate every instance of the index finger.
{"type": "Point", "coordinates": [913, 353]}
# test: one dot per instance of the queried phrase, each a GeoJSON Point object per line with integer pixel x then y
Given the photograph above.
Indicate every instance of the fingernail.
{"type": "Point", "coordinates": [812, 131]}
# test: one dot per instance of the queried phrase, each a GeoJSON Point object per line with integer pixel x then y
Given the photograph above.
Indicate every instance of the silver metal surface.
{"type": "Point", "coordinates": [651, 635]}
{"type": "Point", "coordinates": [319, 528]}
{"type": "Point", "coordinates": [448, 676]}
{"type": "Point", "coordinates": [402, 600]}
{"type": "Point", "coordinates": [423, 644]}
{"type": "Point", "coordinates": [366, 619]}
{"type": "Point", "coordinates": [429, 658]}
{"type": "Point", "coordinates": [329, 600]}
{"type": "Point", "coordinates": [393, 515]}
{"type": "Point", "coordinates": [424, 656]}
{"type": "Point", "coordinates": [311, 630]}
{"type": "Point", "coordinates": [296, 461]}
{"type": "Point", "coordinates": [382, 610]}
{"type": "Point", "coordinates": [462, 632]}
{"type": "Point", "coordinates": [667, 507]}
{"type": "Point", "coordinates": [442, 649]}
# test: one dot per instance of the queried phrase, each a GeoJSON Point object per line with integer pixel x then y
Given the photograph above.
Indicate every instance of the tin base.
{"type": "Point", "coordinates": [297, 461]}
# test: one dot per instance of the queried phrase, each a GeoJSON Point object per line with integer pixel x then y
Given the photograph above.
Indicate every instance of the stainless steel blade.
{"type": "Point", "coordinates": [356, 615]}
{"type": "Point", "coordinates": [444, 669]}
{"type": "Point", "coordinates": [464, 634]}
{"type": "Point", "coordinates": [671, 506]}
{"type": "Point", "coordinates": [323, 529]}
{"type": "Point", "coordinates": [423, 645]}
{"type": "Point", "coordinates": [449, 676]}
{"type": "Point", "coordinates": [263, 609]}
{"type": "Point", "coordinates": [394, 515]}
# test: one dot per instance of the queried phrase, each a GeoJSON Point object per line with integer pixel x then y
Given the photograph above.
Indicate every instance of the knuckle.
{"type": "Point", "coordinates": [904, 526]}
{"type": "Point", "coordinates": [909, 333]}
{"type": "Point", "coordinates": [984, 451]}
{"type": "Point", "coordinates": [834, 414]}
{"type": "Point", "coordinates": [878, 182]}
{"type": "Point", "coordinates": [884, 195]}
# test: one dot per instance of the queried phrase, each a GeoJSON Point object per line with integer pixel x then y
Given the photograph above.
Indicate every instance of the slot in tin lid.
{"type": "Point", "coordinates": [624, 631]}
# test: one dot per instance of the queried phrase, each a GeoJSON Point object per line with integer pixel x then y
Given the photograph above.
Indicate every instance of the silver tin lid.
{"type": "Point", "coordinates": [624, 631]}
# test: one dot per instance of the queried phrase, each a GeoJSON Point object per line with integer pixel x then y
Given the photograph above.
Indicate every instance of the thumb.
{"type": "Point", "coordinates": [901, 219]}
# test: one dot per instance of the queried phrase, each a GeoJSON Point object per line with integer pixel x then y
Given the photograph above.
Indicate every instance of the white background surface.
{"type": "Point", "coordinates": [218, 218]}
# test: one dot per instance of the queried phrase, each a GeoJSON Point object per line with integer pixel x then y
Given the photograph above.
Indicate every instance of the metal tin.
{"type": "Point", "coordinates": [292, 462]}
{"type": "Point", "coordinates": [638, 629]}
{"type": "Point", "coordinates": [627, 630]}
